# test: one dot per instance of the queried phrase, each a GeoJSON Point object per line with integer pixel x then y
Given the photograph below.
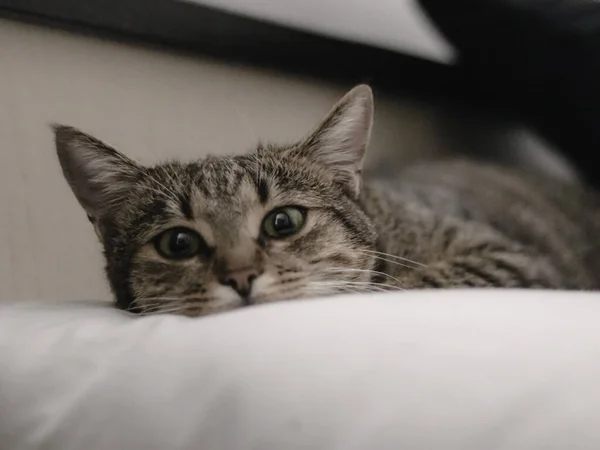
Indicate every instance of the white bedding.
{"type": "Point", "coordinates": [416, 371]}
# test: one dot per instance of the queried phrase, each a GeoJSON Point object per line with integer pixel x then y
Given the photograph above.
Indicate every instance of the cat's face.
{"type": "Point", "coordinates": [220, 233]}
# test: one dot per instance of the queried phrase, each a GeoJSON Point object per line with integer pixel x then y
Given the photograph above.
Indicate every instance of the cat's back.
{"type": "Point", "coordinates": [549, 216]}
{"type": "Point", "coordinates": [495, 193]}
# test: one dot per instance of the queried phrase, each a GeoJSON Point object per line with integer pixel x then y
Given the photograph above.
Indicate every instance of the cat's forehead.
{"type": "Point", "coordinates": [234, 186]}
{"type": "Point", "coordinates": [243, 178]}
{"type": "Point", "coordinates": [227, 193]}
{"type": "Point", "coordinates": [212, 187]}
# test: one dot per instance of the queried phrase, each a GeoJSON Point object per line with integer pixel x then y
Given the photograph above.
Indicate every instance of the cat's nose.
{"type": "Point", "coordinates": [241, 281]}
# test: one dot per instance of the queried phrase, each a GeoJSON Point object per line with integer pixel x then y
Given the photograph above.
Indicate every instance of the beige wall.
{"type": "Point", "coordinates": [152, 105]}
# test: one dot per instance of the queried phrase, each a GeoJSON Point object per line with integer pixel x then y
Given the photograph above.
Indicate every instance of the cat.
{"type": "Point", "coordinates": [296, 221]}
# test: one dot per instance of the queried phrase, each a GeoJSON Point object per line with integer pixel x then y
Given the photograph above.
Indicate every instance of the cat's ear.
{"type": "Point", "coordinates": [340, 141]}
{"type": "Point", "coordinates": [99, 175]}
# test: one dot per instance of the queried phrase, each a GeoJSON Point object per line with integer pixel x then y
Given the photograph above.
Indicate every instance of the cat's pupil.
{"type": "Point", "coordinates": [282, 221]}
{"type": "Point", "coordinates": [180, 242]}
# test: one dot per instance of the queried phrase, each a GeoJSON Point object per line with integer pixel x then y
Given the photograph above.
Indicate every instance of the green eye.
{"type": "Point", "coordinates": [178, 243]}
{"type": "Point", "coordinates": [284, 222]}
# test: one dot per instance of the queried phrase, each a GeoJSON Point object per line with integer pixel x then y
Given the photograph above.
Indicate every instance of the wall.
{"type": "Point", "coordinates": [150, 104]}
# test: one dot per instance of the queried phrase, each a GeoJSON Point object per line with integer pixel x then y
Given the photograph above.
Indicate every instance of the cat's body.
{"type": "Point", "coordinates": [480, 225]}
{"type": "Point", "coordinates": [298, 221]}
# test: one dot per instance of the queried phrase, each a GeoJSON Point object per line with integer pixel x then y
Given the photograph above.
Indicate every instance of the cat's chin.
{"type": "Point", "coordinates": [233, 303]}
{"type": "Point", "coordinates": [226, 301]}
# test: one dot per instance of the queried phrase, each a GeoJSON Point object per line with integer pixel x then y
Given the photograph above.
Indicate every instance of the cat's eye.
{"type": "Point", "coordinates": [178, 243]}
{"type": "Point", "coordinates": [283, 222]}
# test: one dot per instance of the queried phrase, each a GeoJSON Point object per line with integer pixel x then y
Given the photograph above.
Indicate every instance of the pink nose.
{"type": "Point", "coordinates": [241, 281]}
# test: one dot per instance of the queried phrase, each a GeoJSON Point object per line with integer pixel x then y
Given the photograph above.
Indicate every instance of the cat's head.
{"type": "Point", "coordinates": [224, 232]}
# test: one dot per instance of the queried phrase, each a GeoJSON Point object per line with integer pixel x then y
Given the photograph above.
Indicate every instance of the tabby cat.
{"type": "Point", "coordinates": [296, 221]}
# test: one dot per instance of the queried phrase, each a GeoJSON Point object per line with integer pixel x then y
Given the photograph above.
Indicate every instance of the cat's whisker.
{"type": "Point", "coordinates": [387, 256]}
{"type": "Point", "coordinates": [153, 307]}
{"type": "Point", "coordinates": [176, 180]}
{"type": "Point", "coordinates": [168, 192]}
{"type": "Point", "coordinates": [377, 286]}
{"type": "Point", "coordinates": [395, 263]}
{"type": "Point", "coordinates": [152, 304]}
{"type": "Point", "coordinates": [157, 300]}
{"type": "Point", "coordinates": [354, 283]}
{"type": "Point", "coordinates": [340, 290]}
{"type": "Point", "coordinates": [350, 270]}
{"type": "Point", "coordinates": [177, 308]}
{"type": "Point", "coordinates": [360, 286]}
{"type": "Point", "coordinates": [299, 291]}
{"type": "Point", "coordinates": [359, 290]}
{"type": "Point", "coordinates": [401, 258]}
{"type": "Point", "coordinates": [391, 261]}
{"type": "Point", "coordinates": [183, 185]}
{"type": "Point", "coordinates": [329, 288]}
{"type": "Point", "coordinates": [156, 304]}
{"type": "Point", "coordinates": [173, 310]}
{"type": "Point", "coordinates": [300, 288]}
{"type": "Point", "coordinates": [162, 194]}
{"type": "Point", "coordinates": [321, 291]}
{"type": "Point", "coordinates": [158, 311]}
{"type": "Point", "coordinates": [157, 308]}
{"type": "Point", "coordinates": [342, 270]}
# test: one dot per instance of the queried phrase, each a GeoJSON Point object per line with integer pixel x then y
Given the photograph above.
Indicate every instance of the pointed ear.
{"type": "Point", "coordinates": [99, 175]}
{"type": "Point", "coordinates": [340, 141]}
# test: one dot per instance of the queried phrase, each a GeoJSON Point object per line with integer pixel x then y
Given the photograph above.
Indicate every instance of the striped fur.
{"type": "Point", "coordinates": [478, 225]}
{"type": "Point", "coordinates": [438, 225]}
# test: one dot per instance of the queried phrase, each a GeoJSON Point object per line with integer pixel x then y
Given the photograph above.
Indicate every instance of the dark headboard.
{"type": "Point", "coordinates": [202, 29]}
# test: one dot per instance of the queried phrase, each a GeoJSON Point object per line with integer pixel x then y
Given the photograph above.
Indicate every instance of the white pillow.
{"type": "Point", "coordinates": [468, 370]}
{"type": "Point", "coordinates": [397, 25]}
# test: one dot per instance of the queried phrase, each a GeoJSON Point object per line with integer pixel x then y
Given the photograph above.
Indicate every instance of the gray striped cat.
{"type": "Point", "coordinates": [297, 221]}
